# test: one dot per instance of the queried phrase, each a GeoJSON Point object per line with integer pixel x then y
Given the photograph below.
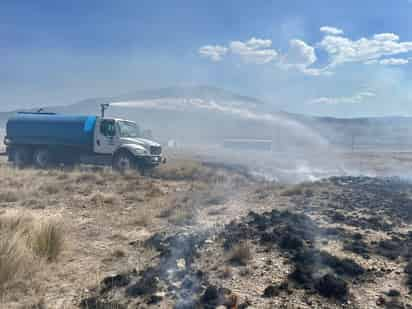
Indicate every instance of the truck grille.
{"type": "Point", "coordinates": [155, 150]}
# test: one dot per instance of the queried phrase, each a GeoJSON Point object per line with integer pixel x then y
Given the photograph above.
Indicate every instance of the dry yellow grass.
{"type": "Point", "coordinates": [181, 170]}
{"type": "Point", "coordinates": [22, 240]}
{"type": "Point", "coordinates": [50, 188]}
{"type": "Point", "coordinates": [96, 205]}
{"type": "Point", "coordinates": [296, 190]}
{"type": "Point", "coordinates": [9, 196]}
{"type": "Point", "coordinates": [182, 215]}
{"type": "Point", "coordinates": [12, 258]}
{"type": "Point", "coordinates": [102, 198]}
{"type": "Point", "coordinates": [144, 218]}
{"type": "Point", "coordinates": [46, 240]}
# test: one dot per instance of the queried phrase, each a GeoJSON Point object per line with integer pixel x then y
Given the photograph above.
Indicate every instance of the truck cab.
{"type": "Point", "coordinates": [122, 139]}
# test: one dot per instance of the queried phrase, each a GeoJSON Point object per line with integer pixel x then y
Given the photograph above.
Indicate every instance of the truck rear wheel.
{"type": "Point", "coordinates": [42, 158]}
{"type": "Point", "coordinates": [123, 161]}
{"type": "Point", "coordinates": [21, 157]}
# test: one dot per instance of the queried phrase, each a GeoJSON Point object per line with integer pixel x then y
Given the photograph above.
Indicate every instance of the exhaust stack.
{"type": "Point", "coordinates": [103, 108]}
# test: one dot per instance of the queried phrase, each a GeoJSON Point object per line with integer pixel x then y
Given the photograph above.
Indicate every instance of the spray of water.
{"type": "Point", "coordinates": [230, 108]}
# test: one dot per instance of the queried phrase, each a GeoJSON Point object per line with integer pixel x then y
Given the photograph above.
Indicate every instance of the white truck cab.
{"type": "Point", "coordinates": [121, 139]}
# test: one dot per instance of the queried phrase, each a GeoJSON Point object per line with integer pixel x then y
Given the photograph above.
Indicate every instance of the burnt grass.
{"type": "Point", "coordinates": [193, 291]}
{"type": "Point", "coordinates": [364, 204]}
{"type": "Point", "coordinates": [171, 249]}
{"type": "Point", "coordinates": [378, 205]}
{"type": "Point", "coordinates": [372, 203]}
{"type": "Point", "coordinates": [295, 235]}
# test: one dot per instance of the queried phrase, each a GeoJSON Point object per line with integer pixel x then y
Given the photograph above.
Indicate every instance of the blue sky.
{"type": "Point", "coordinates": [340, 58]}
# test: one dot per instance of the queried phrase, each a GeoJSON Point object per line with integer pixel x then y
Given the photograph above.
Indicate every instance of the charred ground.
{"type": "Point", "coordinates": [204, 235]}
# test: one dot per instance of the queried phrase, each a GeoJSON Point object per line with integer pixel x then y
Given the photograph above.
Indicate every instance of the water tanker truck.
{"type": "Point", "coordinates": [46, 139]}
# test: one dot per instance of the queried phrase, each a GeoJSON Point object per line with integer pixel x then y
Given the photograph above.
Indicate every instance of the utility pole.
{"type": "Point", "coordinates": [353, 141]}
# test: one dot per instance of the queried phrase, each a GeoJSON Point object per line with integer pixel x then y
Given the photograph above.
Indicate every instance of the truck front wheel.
{"type": "Point", "coordinates": [123, 161]}
{"type": "Point", "coordinates": [42, 158]}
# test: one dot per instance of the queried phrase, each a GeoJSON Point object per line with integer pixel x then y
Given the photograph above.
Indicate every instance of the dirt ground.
{"type": "Point", "coordinates": [207, 235]}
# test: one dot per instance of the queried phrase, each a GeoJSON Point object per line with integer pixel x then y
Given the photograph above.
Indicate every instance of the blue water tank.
{"type": "Point", "coordinates": [50, 129]}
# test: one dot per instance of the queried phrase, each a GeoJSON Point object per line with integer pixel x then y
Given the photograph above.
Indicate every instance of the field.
{"type": "Point", "coordinates": [204, 235]}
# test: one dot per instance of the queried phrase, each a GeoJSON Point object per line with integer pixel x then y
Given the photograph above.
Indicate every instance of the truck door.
{"type": "Point", "coordinates": [106, 138]}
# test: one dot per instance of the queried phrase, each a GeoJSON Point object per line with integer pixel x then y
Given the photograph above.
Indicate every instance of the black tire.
{"type": "Point", "coordinates": [42, 158]}
{"type": "Point", "coordinates": [123, 161]}
{"type": "Point", "coordinates": [71, 162]}
{"type": "Point", "coordinates": [71, 165]}
{"type": "Point", "coordinates": [21, 157]}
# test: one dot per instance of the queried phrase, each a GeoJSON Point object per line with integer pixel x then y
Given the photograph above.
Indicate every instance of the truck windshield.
{"type": "Point", "coordinates": [128, 129]}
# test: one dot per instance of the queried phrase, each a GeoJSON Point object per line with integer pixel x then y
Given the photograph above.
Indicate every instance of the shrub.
{"type": "Point", "coordinates": [11, 258]}
{"type": "Point", "coordinates": [144, 218]}
{"type": "Point", "coordinates": [100, 198]}
{"type": "Point", "coordinates": [88, 177]}
{"type": "Point", "coordinates": [22, 238]}
{"type": "Point", "coordinates": [119, 253]}
{"type": "Point", "coordinates": [47, 240]}
{"type": "Point", "coordinates": [296, 190]}
{"type": "Point", "coordinates": [240, 254]}
{"type": "Point", "coordinates": [179, 170]}
{"type": "Point", "coordinates": [15, 223]}
{"type": "Point", "coordinates": [50, 189]}
{"type": "Point", "coordinates": [182, 216]}
{"type": "Point", "coordinates": [9, 196]}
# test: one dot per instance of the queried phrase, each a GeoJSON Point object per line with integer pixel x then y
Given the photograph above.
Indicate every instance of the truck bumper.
{"type": "Point", "coordinates": [150, 161]}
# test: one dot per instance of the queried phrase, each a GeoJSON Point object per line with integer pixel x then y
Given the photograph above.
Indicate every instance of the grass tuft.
{"type": "Point", "coordinates": [240, 254]}
{"type": "Point", "coordinates": [47, 240]}
{"type": "Point", "coordinates": [100, 199]}
{"type": "Point", "coordinates": [9, 196]}
{"type": "Point", "coordinates": [11, 258]}
{"type": "Point", "coordinates": [50, 189]}
{"type": "Point", "coordinates": [180, 170]}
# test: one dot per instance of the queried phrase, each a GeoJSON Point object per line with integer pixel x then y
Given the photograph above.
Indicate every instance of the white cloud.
{"type": "Point", "coordinates": [344, 50]}
{"type": "Point", "coordinates": [317, 71]}
{"type": "Point", "coordinates": [254, 51]}
{"type": "Point", "coordinates": [394, 61]}
{"type": "Point", "coordinates": [214, 52]}
{"type": "Point", "coordinates": [255, 43]}
{"type": "Point", "coordinates": [355, 99]}
{"type": "Point", "coordinates": [331, 30]}
{"type": "Point", "coordinates": [300, 54]}
{"type": "Point", "coordinates": [386, 37]}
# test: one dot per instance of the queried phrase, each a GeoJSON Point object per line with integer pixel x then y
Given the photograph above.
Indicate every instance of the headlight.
{"type": "Point", "coordinates": [140, 151]}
